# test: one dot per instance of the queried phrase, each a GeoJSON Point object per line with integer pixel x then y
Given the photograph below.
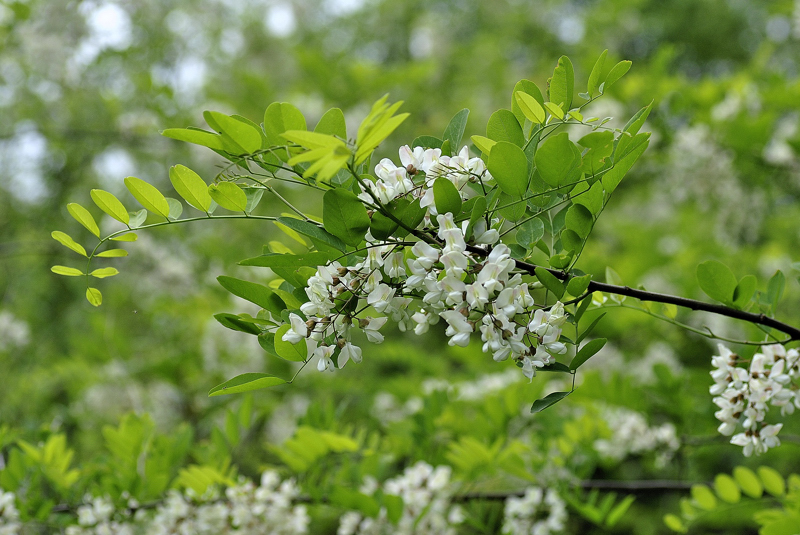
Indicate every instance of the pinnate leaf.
{"type": "Point", "coordinates": [246, 383]}
{"type": "Point", "coordinates": [65, 240]}
{"type": "Point", "coordinates": [191, 187]}
{"type": "Point", "coordinates": [229, 196]}
{"type": "Point", "coordinates": [108, 203]}
{"type": "Point", "coordinates": [148, 196]}
{"type": "Point", "coordinates": [83, 217]}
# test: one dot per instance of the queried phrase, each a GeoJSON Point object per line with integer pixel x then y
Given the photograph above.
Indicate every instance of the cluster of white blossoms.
{"type": "Point", "coordinates": [538, 512]}
{"type": "Point", "coordinates": [744, 395]}
{"type": "Point", "coordinates": [631, 435]}
{"type": "Point", "coordinates": [246, 509]}
{"type": "Point", "coordinates": [9, 516]}
{"type": "Point", "coordinates": [417, 283]}
{"type": "Point", "coordinates": [427, 494]}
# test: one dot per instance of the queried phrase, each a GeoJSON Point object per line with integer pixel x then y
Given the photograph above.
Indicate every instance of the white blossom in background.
{"type": "Point", "coordinates": [9, 515]}
{"type": "Point", "coordinates": [631, 435]}
{"type": "Point", "coordinates": [538, 512]}
{"type": "Point", "coordinates": [14, 332]}
{"type": "Point", "coordinates": [744, 394]}
{"type": "Point", "coordinates": [247, 509]}
{"type": "Point", "coordinates": [427, 505]}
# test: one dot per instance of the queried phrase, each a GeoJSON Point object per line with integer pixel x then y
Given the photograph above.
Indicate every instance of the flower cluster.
{"type": "Point", "coordinates": [427, 509]}
{"type": "Point", "coordinates": [744, 395]}
{"type": "Point", "coordinates": [538, 512]}
{"type": "Point", "coordinates": [268, 508]}
{"type": "Point", "coordinates": [9, 516]}
{"type": "Point", "coordinates": [418, 283]}
{"type": "Point", "coordinates": [631, 435]}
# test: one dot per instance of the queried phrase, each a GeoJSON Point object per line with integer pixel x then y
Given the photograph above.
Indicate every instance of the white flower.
{"type": "Point", "coordinates": [325, 363]}
{"type": "Point", "coordinates": [370, 327]}
{"type": "Point", "coordinates": [349, 351]}
{"type": "Point", "coordinates": [459, 329]}
{"type": "Point", "coordinates": [298, 330]}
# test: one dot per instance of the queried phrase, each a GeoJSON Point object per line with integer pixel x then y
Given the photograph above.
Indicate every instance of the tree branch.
{"type": "Point", "coordinates": [643, 295]}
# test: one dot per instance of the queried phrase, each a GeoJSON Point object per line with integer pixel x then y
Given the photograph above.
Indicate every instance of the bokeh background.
{"type": "Point", "coordinates": [86, 86]}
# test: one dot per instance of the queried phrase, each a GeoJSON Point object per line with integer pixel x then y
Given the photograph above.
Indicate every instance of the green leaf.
{"type": "Point", "coordinates": [428, 142]}
{"type": "Point", "coordinates": [775, 289]}
{"type": "Point", "coordinates": [530, 232]}
{"type": "Point", "coordinates": [65, 240]}
{"type": "Point", "coordinates": [558, 160]}
{"type": "Point", "coordinates": [148, 196]}
{"type": "Point", "coordinates": [617, 72]}
{"type": "Point", "coordinates": [113, 253]}
{"type": "Point", "coordinates": [530, 107]}
{"type": "Point", "coordinates": [196, 136]}
{"type": "Point", "coordinates": [591, 326]}
{"type": "Point", "coordinates": [586, 352]}
{"type": "Point", "coordinates": [727, 489]}
{"type": "Point", "coordinates": [243, 135]}
{"type": "Point", "coordinates": [344, 216]}
{"type": "Point", "coordinates": [570, 241]}
{"type": "Point", "coordinates": [253, 197]}
{"type": "Point", "coordinates": [527, 87]}
{"type": "Point", "coordinates": [703, 497]}
{"type": "Point", "coordinates": [772, 480]}
{"type": "Point", "coordinates": [744, 290]}
{"type": "Point", "coordinates": [253, 292]}
{"type": "Point", "coordinates": [83, 217]}
{"type": "Point", "coordinates": [619, 510]}
{"type": "Point", "coordinates": [551, 399]}
{"type": "Point", "coordinates": [94, 296]}
{"type": "Point", "coordinates": [287, 350]}
{"type": "Point", "coordinates": [580, 220]}
{"type": "Point", "coordinates": [376, 127]}
{"type": "Point", "coordinates": [484, 144]}
{"type": "Point", "coordinates": [716, 280]}
{"type": "Point", "coordinates": [509, 166]}
{"type": "Point", "coordinates": [274, 260]}
{"type": "Point", "coordinates": [631, 129]}
{"type": "Point", "coordinates": [130, 236]}
{"type": "Point", "coordinates": [594, 78]}
{"type": "Point", "coordinates": [674, 523]}
{"type": "Point", "coordinates": [591, 198]}
{"type": "Point", "coordinates": [561, 261]}
{"type": "Point", "coordinates": [613, 176]}
{"type": "Point", "coordinates": [550, 282]}
{"type": "Point", "coordinates": [175, 208]}
{"type": "Point", "coordinates": [280, 117]}
{"type": "Point", "coordinates": [245, 383]}
{"type": "Point", "coordinates": [313, 230]}
{"type": "Point", "coordinates": [748, 481]}
{"type": "Point", "coordinates": [555, 367]}
{"type": "Point", "coordinates": [108, 203]}
{"type": "Point", "coordinates": [577, 285]}
{"type": "Point", "coordinates": [191, 187]}
{"type": "Point", "coordinates": [235, 323]}
{"type": "Point", "coordinates": [503, 126]}
{"type": "Point", "coordinates": [102, 273]}
{"type": "Point", "coordinates": [511, 208]}
{"type": "Point", "coordinates": [555, 110]}
{"type": "Point", "coordinates": [562, 84]}
{"type": "Point", "coordinates": [455, 129]}
{"type": "Point", "coordinates": [137, 218]}
{"type": "Point", "coordinates": [333, 123]}
{"type": "Point", "coordinates": [446, 196]}
{"type": "Point", "coordinates": [229, 196]}
{"type": "Point", "coordinates": [67, 271]}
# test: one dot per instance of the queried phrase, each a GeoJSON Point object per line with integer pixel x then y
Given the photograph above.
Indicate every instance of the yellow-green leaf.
{"type": "Point", "coordinates": [748, 481]}
{"type": "Point", "coordinates": [68, 271]}
{"type": "Point", "coordinates": [229, 196]}
{"type": "Point", "coordinates": [148, 196]}
{"type": "Point", "coordinates": [108, 203]}
{"type": "Point", "coordinates": [530, 107]}
{"type": "Point", "coordinates": [191, 187]}
{"type": "Point", "coordinates": [102, 273]}
{"type": "Point", "coordinates": [287, 350]}
{"type": "Point", "coordinates": [555, 110]}
{"type": "Point", "coordinates": [130, 236]}
{"type": "Point", "coordinates": [94, 296]}
{"type": "Point", "coordinates": [113, 253]}
{"type": "Point", "coordinates": [83, 217]}
{"type": "Point", "coordinates": [773, 481]}
{"type": "Point", "coordinates": [65, 240]}
{"type": "Point", "coordinates": [245, 383]}
{"type": "Point", "coordinates": [484, 144]}
{"type": "Point", "coordinates": [703, 497]}
{"type": "Point", "coordinates": [727, 489]}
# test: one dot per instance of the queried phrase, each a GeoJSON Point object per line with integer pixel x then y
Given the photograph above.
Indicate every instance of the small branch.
{"type": "Point", "coordinates": [643, 295]}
